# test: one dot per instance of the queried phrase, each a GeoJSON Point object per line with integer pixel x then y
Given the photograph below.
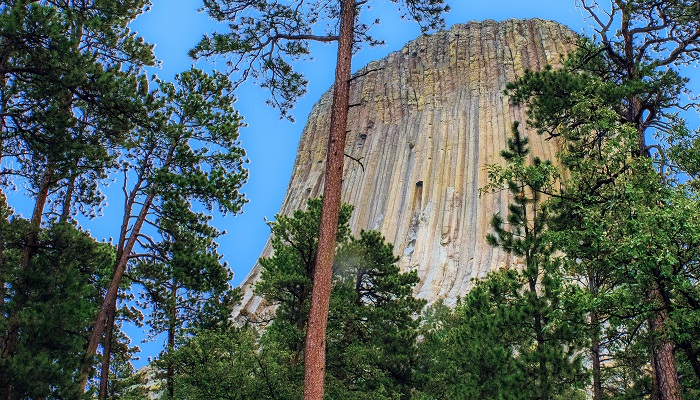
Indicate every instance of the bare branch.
{"type": "Point", "coordinates": [364, 73]}
{"type": "Point", "coordinates": [357, 160]}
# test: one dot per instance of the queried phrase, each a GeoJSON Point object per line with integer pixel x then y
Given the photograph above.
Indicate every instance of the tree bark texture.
{"type": "Point", "coordinates": [172, 326]}
{"type": "Point", "coordinates": [106, 356]}
{"type": "Point", "coordinates": [665, 380]}
{"type": "Point", "coordinates": [663, 359]}
{"type": "Point", "coordinates": [595, 357]}
{"type": "Point", "coordinates": [315, 348]}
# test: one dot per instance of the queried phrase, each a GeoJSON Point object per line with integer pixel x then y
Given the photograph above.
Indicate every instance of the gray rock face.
{"type": "Point", "coordinates": [425, 121]}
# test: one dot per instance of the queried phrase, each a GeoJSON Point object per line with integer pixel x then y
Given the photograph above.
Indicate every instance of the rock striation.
{"type": "Point", "coordinates": [425, 121]}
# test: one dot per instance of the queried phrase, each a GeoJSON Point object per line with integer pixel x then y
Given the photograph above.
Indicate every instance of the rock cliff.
{"type": "Point", "coordinates": [425, 121]}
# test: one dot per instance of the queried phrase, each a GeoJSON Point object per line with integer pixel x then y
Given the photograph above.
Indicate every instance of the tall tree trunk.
{"type": "Point", "coordinates": [539, 338]}
{"type": "Point", "coordinates": [594, 291]}
{"type": "Point", "coordinates": [3, 286]}
{"type": "Point", "coordinates": [654, 395]}
{"type": "Point", "coordinates": [663, 360]}
{"type": "Point", "coordinates": [4, 379]}
{"type": "Point", "coordinates": [3, 201]}
{"type": "Point", "coordinates": [68, 200]}
{"type": "Point", "coordinates": [37, 215]}
{"type": "Point", "coordinates": [110, 299]}
{"type": "Point", "coordinates": [106, 356]}
{"type": "Point", "coordinates": [595, 357]}
{"type": "Point", "coordinates": [315, 348]}
{"type": "Point", "coordinates": [172, 326]}
{"type": "Point", "coordinates": [127, 241]}
{"type": "Point", "coordinates": [28, 251]}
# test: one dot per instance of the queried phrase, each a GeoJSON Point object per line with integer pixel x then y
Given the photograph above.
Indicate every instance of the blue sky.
{"type": "Point", "coordinates": [175, 26]}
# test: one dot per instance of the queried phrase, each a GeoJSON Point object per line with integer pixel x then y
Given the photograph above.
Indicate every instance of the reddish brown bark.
{"type": "Point", "coordinates": [663, 360]}
{"type": "Point", "coordinates": [665, 382]}
{"type": "Point", "coordinates": [37, 215]}
{"type": "Point", "coordinates": [106, 355]}
{"type": "Point", "coordinates": [68, 200]}
{"type": "Point", "coordinates": [315, 348]}
{"type": "Point", "coordinates": [110, 299]}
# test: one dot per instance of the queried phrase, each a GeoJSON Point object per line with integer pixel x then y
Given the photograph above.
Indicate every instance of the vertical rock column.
{"type": "Point", "coordinates": [426, 121]}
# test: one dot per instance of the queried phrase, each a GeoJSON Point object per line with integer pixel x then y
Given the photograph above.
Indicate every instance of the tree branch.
{"type": "Point", "coordinates": [357, 160]}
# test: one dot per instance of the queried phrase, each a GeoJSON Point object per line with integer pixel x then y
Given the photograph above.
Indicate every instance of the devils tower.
{"type": "Point", "coordinates": [424, 122]}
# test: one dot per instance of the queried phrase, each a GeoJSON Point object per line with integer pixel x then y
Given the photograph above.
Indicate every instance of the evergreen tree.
{"type": "Point", "coordinates": [540, 310]}
{"type": "Point", "coordinates": [61, 287]}
{"type": "Point", "coordinates": [470, 352]}
{"type": "Point", "coordinates": [262, 34]}
{"type": "Point", "coordinates": [372, 321]}
{"type": "Point", "coordinates": [517, 333]}
{"type": "Point", "coordinates": [193, 157]}
{"type": "Point", "coordinates": [632, 72]}
{"type": "Point", "coordinates": [181, 276]}
{"type": "Point", "coordinates": [76, 107]}
{"type": "Point", "coordinates": [286, 277]}
{"type": "Point", "coordinates": [232, 363]}
{"type": "Point", "coordinates": [69, 95]}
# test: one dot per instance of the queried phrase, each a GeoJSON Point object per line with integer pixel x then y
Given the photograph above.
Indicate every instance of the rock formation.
{"type": "Point", "coordinates": [424, 122]}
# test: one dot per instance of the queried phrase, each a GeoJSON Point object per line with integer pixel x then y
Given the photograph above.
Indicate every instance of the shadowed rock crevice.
{"type": "Point", "coordinates": [425, 121]}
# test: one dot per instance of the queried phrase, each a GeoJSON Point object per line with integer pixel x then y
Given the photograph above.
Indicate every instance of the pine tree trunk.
{"type": "Point", "coordinates": [539, 338]}
{"type": "Point", "coordinates": [172, 326]}
{"type": "Point", "coordinates": [663, 360]}
{"type": "Point", "coordinates": [654, 379]}
{"type": "Point", "coordinates": [68, 200]}
{"type": "Point", "coordinates": [3, 204]}
{"type": "Point", "coordinates": [100, 324]}
{"type": "Point", "coordinates": [3, 284]}
{"type": "Point", "coordinates": [106, 356]}
{"type": "Point", "coordinates": [37, 216]}
{"type": "Point", "coordinates": [665, 376]}
{"type": "Point", "coordinates": [315, 348]}
{"type": "Point", "coordinates": [595, 357]}
{"type": "Point", "coordinates": [594, 290]}
{"type": "Point", "coordinates": [28, 251]}
{"type": "Point", "coordinates": [125, 247]}
{"type": "Point", "coordinates": [665, 383]}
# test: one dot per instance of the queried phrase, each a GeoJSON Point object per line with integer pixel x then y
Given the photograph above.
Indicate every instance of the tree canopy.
{"type": "Point", "coordinates": [602, 299]}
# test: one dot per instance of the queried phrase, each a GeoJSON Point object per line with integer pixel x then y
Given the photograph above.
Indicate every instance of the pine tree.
{"type": "Point", "coordinates": [372, 327]}
{"type": "Point", "coordinates": [182, 277]}
{"type": "Point", "coordinates": [262, 34]}
{"type": "Point", "coordinates": [470, 351]}
{"type": "Point", "coordinates": [631, 70]}
{"type": "Point", "coordinates": [372, 321]}
{"type": "Point", "coordinates": [69, 95]}
{"type": "Point", "coordinates": [286, 277]}
{"type": "Point", "coordinates": [61, 287]}
{"type": "Point", "coordinates": [190, 156]}
{"type": "Point", "coordinates": [539, 308]}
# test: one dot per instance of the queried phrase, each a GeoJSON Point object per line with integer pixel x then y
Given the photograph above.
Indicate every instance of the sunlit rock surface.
{"type": "Point", "coordinates": [424, 123]}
